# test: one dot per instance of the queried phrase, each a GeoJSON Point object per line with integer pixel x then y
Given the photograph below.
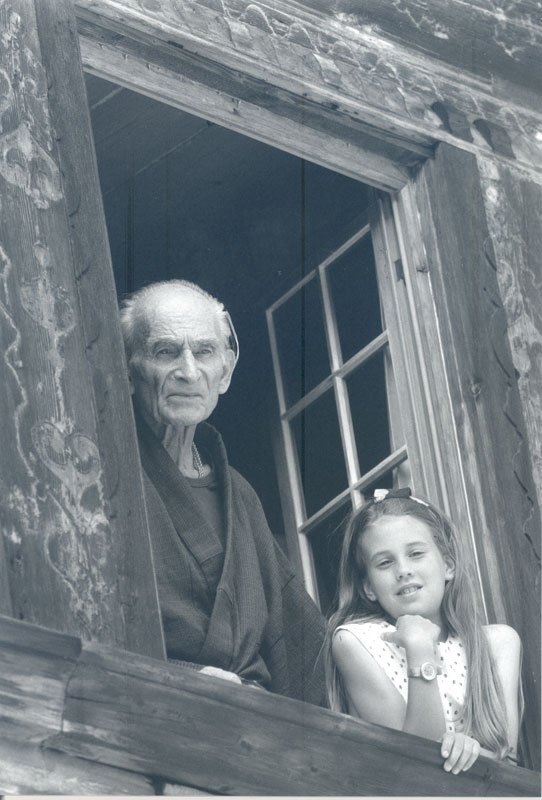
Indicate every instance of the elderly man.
{"type": "Point", "coordinates": [228, 595]}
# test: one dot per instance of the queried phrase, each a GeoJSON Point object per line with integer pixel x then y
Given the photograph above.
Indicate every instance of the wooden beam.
{"type": "Point", "coordinates": [514, 214]}
{"type": "Point", "coordinates": [150, 718]}
{"type": "Point", "coordinates": [36, 666]}
{"type": "Point", "coordinates": [25, 769]}
{"type": "Point", "coordinates": [331, 142]}
{"type": "Point", "coordinates": [493, 41]}
{"type": "Point", "coordinates": [454, 262]}
{"type": "Point", "coordinates": [77, 552]}
{"type": "Point", "coordinates": [339, 59]}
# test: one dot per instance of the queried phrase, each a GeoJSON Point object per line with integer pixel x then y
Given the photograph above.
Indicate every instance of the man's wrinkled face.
{"type": "Point", "coordinates": [183, 365]}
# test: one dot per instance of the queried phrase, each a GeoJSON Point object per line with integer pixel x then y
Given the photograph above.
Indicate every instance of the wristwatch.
{"type": "Point", "coordinates": [427, 671]}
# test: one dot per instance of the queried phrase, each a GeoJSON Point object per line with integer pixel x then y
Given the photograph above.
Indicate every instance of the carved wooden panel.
{"type": "Point", "coordinates": [269, 114]}
{"type": "Point", "coordinates": [464, 74]}
{"type": "Point", "coordinates": [76, 550]}
{"type": "Point", "coordinates": [514, 213]}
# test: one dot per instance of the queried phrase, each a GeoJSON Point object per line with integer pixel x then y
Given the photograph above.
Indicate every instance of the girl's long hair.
{"type": "Point", "coordinates": [485, 714]}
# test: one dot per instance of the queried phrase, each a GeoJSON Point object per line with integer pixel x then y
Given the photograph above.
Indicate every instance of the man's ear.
{"type": "Point", "coordinates": [368, 591]}
{"type": "Point", "coordinates": [449, 571]}
{"type": "Point", "coordinates": [229, 366]}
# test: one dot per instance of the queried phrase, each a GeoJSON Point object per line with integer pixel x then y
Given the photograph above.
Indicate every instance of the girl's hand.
{"type": "Point", "coordinates": [460, 752]}
{"type": "Point", "coordinates": [414, 633]}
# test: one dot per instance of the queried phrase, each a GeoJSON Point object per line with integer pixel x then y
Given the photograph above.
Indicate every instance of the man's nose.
{"type": "Point", "coordinates": [186, 368]}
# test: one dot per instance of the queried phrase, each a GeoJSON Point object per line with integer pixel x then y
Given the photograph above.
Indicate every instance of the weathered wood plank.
{"type": "Point", "coordinates": [296, 128]}
{"type": "Point", "coordinates": [73, 524]}
{"type": "Point", "coordinates": [25, 769]}
{"type": "Point", "coordinates": [514, 212]}
{"type": "Point", "coordinates": [127, 717]}
{"type": "Point", "coordinates": [339, 59]}
{"type": "Point", "coordinates": [35, 667]}
{"type": "Point", "coordinates": [489, 423]}
{"type": "Point", "coordinates": [199, 731]}
{"type": "Point", "coordinates": [488, 38]}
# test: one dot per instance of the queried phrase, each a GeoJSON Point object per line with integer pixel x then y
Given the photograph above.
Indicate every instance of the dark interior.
{"type": "Point", "coordinates": [186, 198]}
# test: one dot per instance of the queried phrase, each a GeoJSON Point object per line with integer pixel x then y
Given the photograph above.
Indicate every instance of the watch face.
{"type": "Point", "coordinates": [428, 671]}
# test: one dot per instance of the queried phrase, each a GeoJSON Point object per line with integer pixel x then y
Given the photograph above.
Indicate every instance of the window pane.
{"type": "Point", "coordinates": [333, 205]}
{"type": "Point", "coordinates": [301, 342]}
{"type": "Point", "coordinates": [326, 542]}
{"type": "Point", "coordinates": [369, 408]}
{"type": "Point", "coordinates": [319, 451]}
{"type": "Point", "coordinates": [354, 291]}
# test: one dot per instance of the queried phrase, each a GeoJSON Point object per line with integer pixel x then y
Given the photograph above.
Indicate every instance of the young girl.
{"type": "Point", "coordinates": [406, 647]}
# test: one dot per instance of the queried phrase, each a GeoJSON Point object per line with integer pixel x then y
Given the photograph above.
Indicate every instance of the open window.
{"type": "Point", "coordinates": [275, 237]}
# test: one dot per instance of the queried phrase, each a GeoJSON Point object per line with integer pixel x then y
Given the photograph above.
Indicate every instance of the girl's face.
{"type": "Point", "coordinates": [406, 572]}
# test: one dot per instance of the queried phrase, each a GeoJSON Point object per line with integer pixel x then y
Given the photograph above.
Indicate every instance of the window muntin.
{"type": "Point", "coordinates": [338, 408]}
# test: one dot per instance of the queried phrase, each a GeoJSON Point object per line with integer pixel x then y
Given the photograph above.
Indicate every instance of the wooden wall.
{"type": "Point", "coordinates": [513, 205]}
{"type": "Point", "coordinates": [76, 550]}
{"type": "Point", "coordinates": [457, 256]}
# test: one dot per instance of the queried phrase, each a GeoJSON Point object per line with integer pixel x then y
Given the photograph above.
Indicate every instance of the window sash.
{"type": "Point", "coordinates": [336, 381]}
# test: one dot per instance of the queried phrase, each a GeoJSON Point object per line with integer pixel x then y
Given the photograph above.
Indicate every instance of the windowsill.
{"type": "Point", "coordinates": [75, 701]}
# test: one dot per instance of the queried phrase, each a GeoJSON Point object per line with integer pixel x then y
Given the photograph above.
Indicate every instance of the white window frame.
{"type": "Point", "coordinates": [357, 481]}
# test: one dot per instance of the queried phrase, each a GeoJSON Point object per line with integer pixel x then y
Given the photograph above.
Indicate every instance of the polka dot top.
{"type": "Point", "coordinates": [392, 659]}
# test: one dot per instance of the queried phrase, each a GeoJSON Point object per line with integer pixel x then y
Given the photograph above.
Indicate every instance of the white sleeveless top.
{"type": "Point", "coordinates": [392, 660]}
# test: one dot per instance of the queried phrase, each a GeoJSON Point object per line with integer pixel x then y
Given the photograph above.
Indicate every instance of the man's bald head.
{"type": "Point", "coordinates": [136, 310]}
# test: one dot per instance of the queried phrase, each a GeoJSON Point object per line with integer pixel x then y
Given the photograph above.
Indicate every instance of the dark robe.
{"type": "Point", "coordinates": [238, 606]}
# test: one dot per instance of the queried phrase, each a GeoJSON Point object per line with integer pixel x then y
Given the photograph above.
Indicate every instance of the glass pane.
{"type": "Point", "coordinates": [326, 541]}
{"type": "Point", "coordinates": [333, 206]}
{"type": "Point", "coordinates": [369, 408]}
{"type": "Point", "coordinates": [319, 451]}
{"type": "Point", "coordinates": [301, 342]}
{"type": "Point", "coordinates": [354, 292]}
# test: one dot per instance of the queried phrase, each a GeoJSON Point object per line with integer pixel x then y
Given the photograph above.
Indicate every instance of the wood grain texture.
{"type": "Point", "coordinates": [149, 718]}
{"type": "Point", "coordinates": [25, 769]}
{"type": "Point", "coordinates": [485, 398]}
{"type": "Point", "coordinates": [269, 115]}
{"type": "Point", "coordinates": [68, 524]}
{"type": "Point", "coordinates": [514, 213]}
{"type": "Point", "coordinates": [354, 59]}
{"type": "Point", "coordinates": [498, 38]}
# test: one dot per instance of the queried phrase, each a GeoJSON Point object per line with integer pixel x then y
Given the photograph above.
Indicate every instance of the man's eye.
{"type": "Point", "coordinates": [203, 351]}
{"type": "Point", "coordinates": [164, 351]}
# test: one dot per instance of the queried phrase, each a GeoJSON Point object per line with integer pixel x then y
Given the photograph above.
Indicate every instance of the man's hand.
{"type": "Point", "coordinates": [460, 752]}
{"type": "Point", "coordinates": [216, 672]}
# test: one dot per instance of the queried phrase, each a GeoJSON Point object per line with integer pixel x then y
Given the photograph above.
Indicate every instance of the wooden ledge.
{"type": "Point", "coordinates": [84, 704]}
